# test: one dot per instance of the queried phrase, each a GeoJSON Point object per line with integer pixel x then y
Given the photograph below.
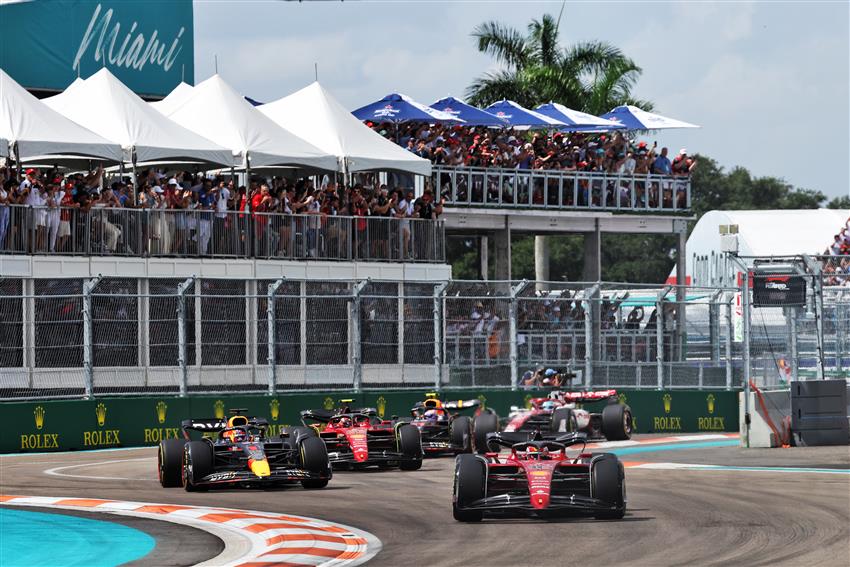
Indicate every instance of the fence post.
{"type": "Point", "coordinates": [88, 350]}
{"type": "Point", "coordinates": [817, 287]}
{"type": "Point", "coordinates": [182, 290]}
{"type": "Point", "coordinates": [512, 315]}
{"type": "Point", "coordinates": [272, 339]}
{"type": "Point", "coordinates": [729, 331]}
{"type": "Point", "coordinates": [714, 325]}
{"type": "Point", "coordinates": [356, 355]}
{"type": "Point", "coordinates": [589, 335]}
{"type": "Point", "coordinates": [659, 336]}
{"type": "Point", "coordinates": [439, 290]}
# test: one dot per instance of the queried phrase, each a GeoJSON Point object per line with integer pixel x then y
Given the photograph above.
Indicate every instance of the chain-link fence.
{"type": "Point", "coordinates": [102, 336]}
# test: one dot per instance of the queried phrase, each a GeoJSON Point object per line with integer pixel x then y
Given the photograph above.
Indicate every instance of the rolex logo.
{"type": "Point", "coordinates": [381, 403]}
{"type": "Point", "coordinates": [218, 407]}
{"type": "Point", "coordinates": [667, 398]}
{"type": "Point", "coordinates": [328, 403]}
{"type": "Point", "coordinates": [709, 400]}
{"type": "Point", "coordinates": [100, 412]}
{"type": "Point", "coordinates": [621, 397]}
{"type": "Point", "coordinates": [161, 408]}
{"type": "Point", "coordinates": [483, 399]}
{"type": "Point", "coordinates": [38, 413]}
{"type": "Point", "coordinates": [274, 409]}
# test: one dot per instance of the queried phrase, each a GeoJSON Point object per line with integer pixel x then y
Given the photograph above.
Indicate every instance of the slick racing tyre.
{"type": "Point", "coordinates": [608, 484]}
{"type": "Point", "coordinates": [484, 423]}
{"type": "Point", "coordinates": [461, 433]}
{"type": "Point", "coordinates": [563, 421]}
{"type": "Point", "coordinates": [170, 462]}
{"type": "Point", "coordinates": [409, 445]}
{"type": "Point", "coordinates": [617, 422]}
{"type": "Point", "coordinates": [314, 459]}
{"type": "Point", "coordinates": [468, 487]}
{"type": "Point", "coordinates": [197, 463]}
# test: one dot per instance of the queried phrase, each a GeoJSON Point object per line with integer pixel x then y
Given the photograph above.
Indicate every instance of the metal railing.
{"type": "Point", "coordinates": [561, 190]}
{"type": "Point", "coordinates": [204, 233]}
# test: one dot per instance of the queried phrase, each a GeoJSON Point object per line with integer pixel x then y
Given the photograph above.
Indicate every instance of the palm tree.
{"type": "Point", "coordinates": [593, 76]}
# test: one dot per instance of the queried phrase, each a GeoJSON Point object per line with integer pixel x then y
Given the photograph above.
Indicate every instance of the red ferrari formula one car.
{"type": "Point", "coordinates": [559, 413]}
{"type": "Point", "coordinates": [358, 440]}
{"type": "Point", "coordinates": [445, 430]}
{"type": "Point", "coordinates": [240, 454]}
{"type": "Point", "coordinates": [538, 478]}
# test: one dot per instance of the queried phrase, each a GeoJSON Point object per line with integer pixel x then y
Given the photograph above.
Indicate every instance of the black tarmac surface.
{"type": "Point", "coordinates": [675, 517]}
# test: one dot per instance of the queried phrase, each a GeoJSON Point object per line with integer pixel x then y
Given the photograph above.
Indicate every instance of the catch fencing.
{"type": "Point", "coordinates": [193, 233]}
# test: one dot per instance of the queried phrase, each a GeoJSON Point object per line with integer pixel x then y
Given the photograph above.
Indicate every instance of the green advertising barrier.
{"type": "Point", "coordinates": [132, 422]}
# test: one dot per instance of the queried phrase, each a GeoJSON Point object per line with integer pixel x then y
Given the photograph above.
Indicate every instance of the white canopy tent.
{"type": "Point", "coordinates": [316, 116]}
{"type": "Point", "coordinates": [37, 130]}
{"type": "Point", "coordinates": [216, 111]}
{"type": "Point", "coordinates": [760, 233]}
{"type": "Point", "coordinates": [174, 99]}
{"type": "Point", "coordinates": [106, 106]}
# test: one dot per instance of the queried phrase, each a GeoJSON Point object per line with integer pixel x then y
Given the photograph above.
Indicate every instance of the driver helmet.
{"type": "Point", "coordinates": [345, 422]}
{"type": "Point", "coordinates": [432, 415]}
{"type": "Point", "coordinates": [548, 405]}
{"type": "Point", "coordinates": [234, 435]}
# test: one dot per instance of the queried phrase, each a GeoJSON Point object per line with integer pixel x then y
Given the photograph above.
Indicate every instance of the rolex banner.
{"type": "Point", "coordinates": [149, 46]}
{"type": "Point", "coordinates": [135, 422]}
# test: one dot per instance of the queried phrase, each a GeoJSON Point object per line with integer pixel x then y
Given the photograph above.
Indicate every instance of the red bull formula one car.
{"type": "Point", "coordinates": [538, 478]}
{"type": "Point", "coordinates": [559, 413]}
{"type": "Point", "coordinates": [445, 430]}
{"type": "Point", "coordinates": [237, 452]}
{"type": "Point", "coordinates": [357, 440]}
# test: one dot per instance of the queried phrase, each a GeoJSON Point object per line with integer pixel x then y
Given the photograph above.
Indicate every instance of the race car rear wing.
{"type": "Point", "coordinates": [588, 396]}
{"type": "Point", "coordinates": [214, 425]}
{"type": "Point", "coordinates": [324, 416]}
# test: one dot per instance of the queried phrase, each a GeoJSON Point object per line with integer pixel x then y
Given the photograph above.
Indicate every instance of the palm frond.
{"type": "Point", "coordinates": [543, 40]}
{"type": "Point", "coordinates": [497, 85]}
{"type": "Point", "coordinates": [505, 44]}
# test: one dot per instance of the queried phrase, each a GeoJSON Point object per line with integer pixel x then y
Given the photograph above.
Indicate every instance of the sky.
{"type": "Point", "coordinates": [769, 82]}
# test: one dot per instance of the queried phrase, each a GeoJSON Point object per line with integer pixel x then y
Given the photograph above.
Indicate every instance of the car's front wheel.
{"type": "Point", "coordinates": [170, 462]}
{"type": "Point", "coordinates": [314, 459]}
{"type": "Point", "coordinates": [468, 487]}
{"type": "Point", "coordinates": [410, 446]}
{"type": "Point", "coordinates": [608, 484]}
{"type": "Point", "coordinates": [197, 463]}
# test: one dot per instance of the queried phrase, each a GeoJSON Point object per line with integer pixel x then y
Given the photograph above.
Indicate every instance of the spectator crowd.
{"type": "Point", "coordinates": [455, 145]}
{"type": "Point", "coordinates": [201, 215]}
{"type": "Point", "coordinates": [836, 267]}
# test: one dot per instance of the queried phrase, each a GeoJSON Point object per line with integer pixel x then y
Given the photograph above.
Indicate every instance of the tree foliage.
{"type": "Point", "coordinates": [591, 76]}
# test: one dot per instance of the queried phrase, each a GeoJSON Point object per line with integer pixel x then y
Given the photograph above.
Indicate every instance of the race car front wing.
{"type": "Point", "coordinates": [505, 502]}
{"type": "Point", "coordinates": [276, 475]}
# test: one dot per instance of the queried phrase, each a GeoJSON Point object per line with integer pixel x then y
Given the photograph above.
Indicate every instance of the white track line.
{"type": "Point", "coordinates": [345, 546]}
{"type": "Point", "coordinates": [56, 471]}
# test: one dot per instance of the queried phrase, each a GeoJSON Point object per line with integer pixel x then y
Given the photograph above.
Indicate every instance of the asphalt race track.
{"type": "Point", "coordinates": [676, 516]}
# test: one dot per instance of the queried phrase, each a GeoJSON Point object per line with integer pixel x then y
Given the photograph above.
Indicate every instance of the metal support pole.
{"type": "Point", "coordinates": [714, 325]}
{"type": "Point", "coordinates": [589, 295]}
{"type": "Point", "coordinates": [439, 290]}
{"type": "Point", "coordinates": [182, 289]}
{"type": "Point", "coordinates": [88, 348]}
{"type": "Point", "coordinates": [795, 361]}
{"type": "Point", "coordinates": [817, 287]}
{"type": "Point", "coordinates": [729, 332]}
{"type": "Point", "coordinates": [745, 307]}
{"type": "Point", "coordinates": [659, 336]}
{"type": "Point", "coordinates": [356, 354]}
{"type": "Point", "coordinates": [272, 338]}
{"type": "Point", "coordinates": [512, 315]}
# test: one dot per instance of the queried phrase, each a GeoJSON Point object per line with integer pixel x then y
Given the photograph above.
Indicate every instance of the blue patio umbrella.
{"type": "Point", "coordinates": [575, 120]}
{"type": "Point", "coordinates": [635, 118]}
{"type": "Point", "coordinates": [516, 115]}
{"type": "Point", "coordinates": [399, 108]}
{"type": "Point", "coordinates": [471, 115]}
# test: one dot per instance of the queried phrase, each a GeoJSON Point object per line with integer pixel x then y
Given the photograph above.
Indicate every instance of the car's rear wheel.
{"type": "Point", "coordinates": [314, 459]}
{"type": "Point", "coordinates": [410, 446]}
{"type": "Point", "coordinates": [468, 487]}
{"type": "Point", "coordinates": [563, 421]}
{"type": "Point", "coordinates": [170, 462]}
{"type": "Point", "coordinates": [197, 463]}
{"type": "Point", "coordinates": [484, 424]}
{"type": "Point", "coordinates": [608, 484]}
{"type": "Point", "coordinates": [461, 433]}
{"type": "Point", "coordinates": [617, 422]}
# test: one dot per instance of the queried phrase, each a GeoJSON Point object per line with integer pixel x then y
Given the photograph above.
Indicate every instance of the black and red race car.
{"type": "Point", "coordinates": [357, 440]}
{"type": "Point", "coordinates": [237, 452]}
{"type": "Point", "coordinates": [445, 430]}
{"type": "Point", "coordinates": [538, 478]}
{"type": "Point", "coordinates": [560, 413]}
